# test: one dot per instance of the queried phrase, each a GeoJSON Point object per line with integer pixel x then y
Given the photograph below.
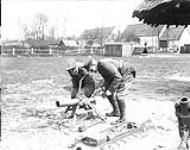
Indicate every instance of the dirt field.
{"type": "Point", "coordinates": [31, 85]}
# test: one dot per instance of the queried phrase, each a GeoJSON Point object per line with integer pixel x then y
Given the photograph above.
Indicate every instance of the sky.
{"type": "Point", "coordinates": [71, 17]}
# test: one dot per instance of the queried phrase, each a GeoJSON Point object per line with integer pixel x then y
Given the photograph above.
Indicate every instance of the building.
{"type": "Point", "coordinates": [173, 38]}
{"type": "Point", "coordinates": [63, 44]}
{"type": "Point", "coordinates": [68, 43]}
{"type": "Point", "coordinates": [133, 40]}
{"type": "Point", "coordinates": [98, 35]}
{"type": "Point", "coordinates": [118, 49]}
{"type": "Point", "coordinates": [143, 34]}
{"type": "Point", "coordinates": [185, 49]}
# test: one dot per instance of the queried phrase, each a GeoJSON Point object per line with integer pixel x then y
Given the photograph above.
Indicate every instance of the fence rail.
{"type": "Point", "coordinates": [49, 52]}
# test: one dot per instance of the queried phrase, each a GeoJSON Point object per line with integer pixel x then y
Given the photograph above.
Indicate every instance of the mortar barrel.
{"type": "Point", "coordinates": [185, 106]}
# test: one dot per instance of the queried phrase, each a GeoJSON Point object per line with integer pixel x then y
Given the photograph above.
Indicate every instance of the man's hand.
{"type": "Point", "coordinates": [103, 91]}
{"type": "Point", "coordinates": [103, 88]}
{"type": "Point", "coordinates": [108, 92]}
{"type": "Point", "coordinates": [104, 94]}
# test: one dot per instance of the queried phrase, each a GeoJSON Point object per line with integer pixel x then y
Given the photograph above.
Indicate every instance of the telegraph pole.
{"type": "Point", "coordinates": [57, 28]}
{"type": "Point", "coordinates": [102, 36]}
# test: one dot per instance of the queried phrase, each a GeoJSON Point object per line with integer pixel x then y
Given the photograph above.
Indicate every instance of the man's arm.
{"type": "Point", "coordinates": [74, 88]}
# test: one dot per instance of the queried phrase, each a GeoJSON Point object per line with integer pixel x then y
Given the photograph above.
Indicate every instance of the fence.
{"type": "Point", "coordinates": [49, 52]}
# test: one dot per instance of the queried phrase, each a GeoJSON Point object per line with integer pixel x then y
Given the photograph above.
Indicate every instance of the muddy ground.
{"type": "Point", "coordinates": [32, 85]}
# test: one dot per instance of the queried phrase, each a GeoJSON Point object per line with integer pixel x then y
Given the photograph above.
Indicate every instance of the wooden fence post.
{"type": "Point", "coordinates": [13, 51]}
{"type": "Point", "coordinates": [78, 50]}
{"type": "Point", "coordinates": [50, 51]}
{"type": "Point", "coordinates": [32, 51]}
{"type": "Point", "coordinates": [91, 50]}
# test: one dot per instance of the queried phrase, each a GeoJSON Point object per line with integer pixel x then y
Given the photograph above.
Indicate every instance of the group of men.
{"type": "Point", "coordinates": [117, 75]}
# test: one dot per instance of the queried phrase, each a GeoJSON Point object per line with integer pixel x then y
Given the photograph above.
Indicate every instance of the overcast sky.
{"type": "Point", "coordinates": [70, 16]}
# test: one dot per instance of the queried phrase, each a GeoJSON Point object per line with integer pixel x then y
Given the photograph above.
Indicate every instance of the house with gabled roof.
{"type": "Point", "coordinates": [143, 34]}
{"type": "Point", "coordinates": [174, 38]}
{"type": "Point", "coordinates": [63, 44]}
{"type": "Point", "coordinates": [98, 35]}
{"type": "Point", "coordinates": [71, 43]}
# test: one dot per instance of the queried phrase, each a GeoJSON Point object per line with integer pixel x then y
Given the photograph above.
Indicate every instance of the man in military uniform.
{"type": "Point", "coordinates": [82, 83]}
{"type": "Point", "coordinates": [81, 80]}
{"type": "Point", "coordinates": [118, 76]}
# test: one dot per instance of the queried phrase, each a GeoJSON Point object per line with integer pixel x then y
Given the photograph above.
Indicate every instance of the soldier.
{"type": "Point", "coordinates": [118, 76]}
{"type": "Point", "coordinates": [82, 82]}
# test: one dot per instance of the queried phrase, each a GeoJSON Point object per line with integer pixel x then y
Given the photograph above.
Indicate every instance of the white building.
{"type": "Point", "coordinates": [142, 34]}
{"type": "Point", "coordinates": [174, 38]}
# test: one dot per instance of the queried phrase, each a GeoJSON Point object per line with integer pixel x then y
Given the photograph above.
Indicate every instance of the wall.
{"type": "Point", "coordinates": [173, 44]}
{"type": "Point", "coordinates": [127, 49]}
{"type": "Point", "coordinates": [185, 38]}
{"type": "Point", "coordinates": [113, 50]}
{"type": "Point", "coordinates": [119, 49]}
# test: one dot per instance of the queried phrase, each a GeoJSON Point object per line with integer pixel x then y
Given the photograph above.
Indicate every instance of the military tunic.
{"type": "Point", "coordinates": [116, 74]}
{"type": "Point", "coordinates": [88, 84]}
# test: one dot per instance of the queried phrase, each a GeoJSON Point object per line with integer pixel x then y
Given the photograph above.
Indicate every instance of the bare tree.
{"type": "Point", "coordinates": [24, 29]}
{"type": "Point", "coordinates": [51, 31]}
{"type": "Point", "coordinates": [40, 22]}
{"type": "Point", "coordinates": [35, 30]}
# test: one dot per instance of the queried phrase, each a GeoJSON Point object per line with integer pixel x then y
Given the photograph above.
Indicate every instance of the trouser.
{"type": "Point", "coordinates": [121, 94]}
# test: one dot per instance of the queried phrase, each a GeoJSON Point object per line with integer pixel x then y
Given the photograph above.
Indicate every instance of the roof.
{"type": "Point", "coordinates": [149, 4]}
{"type": "Point", "coordinates": [142, 30]}
{"type": "Point", "coordinates": [97, 33]}
{"type": "Point", "coordinates": [68, 42]}
{"type": "Point", "coordinates": [172, 33]}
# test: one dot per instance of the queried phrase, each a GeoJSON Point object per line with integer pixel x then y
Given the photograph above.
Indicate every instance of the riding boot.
{"type": "Point", "coordinates": [114, 103]}
{"type": "Point", "coordinates": [122, 118]}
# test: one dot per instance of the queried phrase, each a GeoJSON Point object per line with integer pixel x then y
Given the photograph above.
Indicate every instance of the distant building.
{"type": "Point", "coordinates": [174, 38]}
{"type": "Point", "coordinates": [185, 49]}
{"type": "Point", "coordinates": [143, 34]}
{"type": "Point", "coordinates": [68, 43]}
{"type": "Point", "coordinates": [63, 44]}
{"type": "Point", "coordinates": [98, 35]}
{"type": "Point", "coordinates": [118, 49]}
